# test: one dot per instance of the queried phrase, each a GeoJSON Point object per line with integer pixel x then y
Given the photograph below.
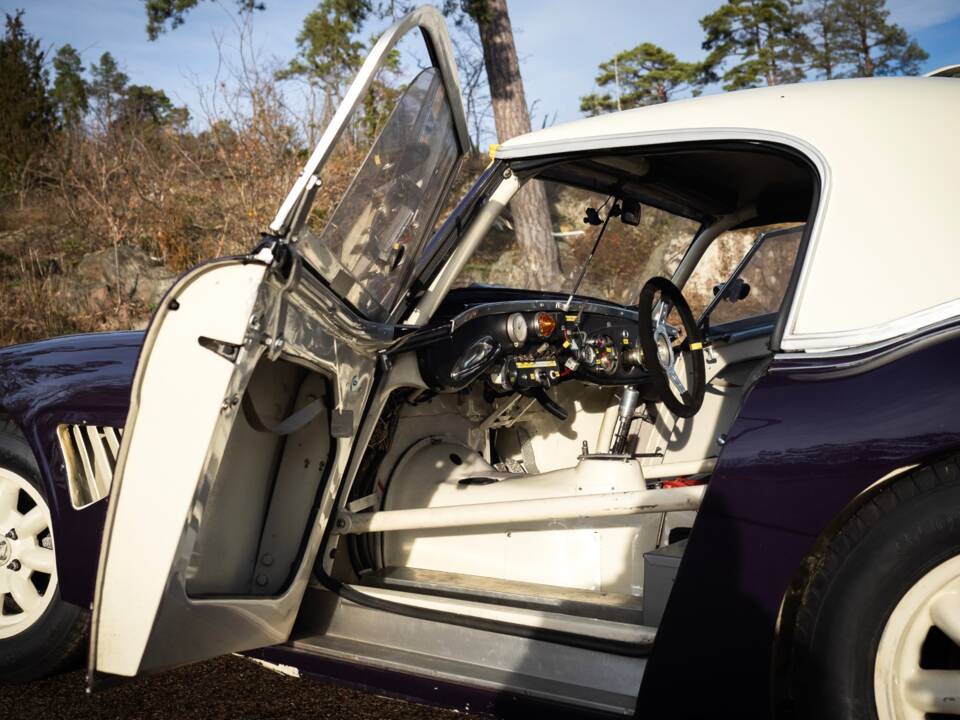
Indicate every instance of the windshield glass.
{"type": "Point", "coordinates": [626, 257]}
{"type": "Point", "coordinates": [367, 246]}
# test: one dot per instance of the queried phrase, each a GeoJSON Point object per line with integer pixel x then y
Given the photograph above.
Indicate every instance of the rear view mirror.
{"type": "Point", "coordinates": [737, 290]}
{"type": "Point", "coordinates": [630, 213]}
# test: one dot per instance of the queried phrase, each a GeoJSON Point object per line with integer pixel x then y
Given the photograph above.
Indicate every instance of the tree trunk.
{"type": "Point", "coordinates": [531, 214]}
{"type": "Point", "coordinates": [864, 37]}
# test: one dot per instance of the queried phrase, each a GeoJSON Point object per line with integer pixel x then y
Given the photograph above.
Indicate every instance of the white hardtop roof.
{"type": "Point", "coordinates": [805, 111]}
{"type": "Point", "coordinates": [885, 244]}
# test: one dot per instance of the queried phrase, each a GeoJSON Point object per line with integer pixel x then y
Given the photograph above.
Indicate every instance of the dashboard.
{"type": "Point", "coordinates": [525, 344]}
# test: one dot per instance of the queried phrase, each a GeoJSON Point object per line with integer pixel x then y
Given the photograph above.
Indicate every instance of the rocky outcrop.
{"type": "Point", "coordinates": [106, 278]}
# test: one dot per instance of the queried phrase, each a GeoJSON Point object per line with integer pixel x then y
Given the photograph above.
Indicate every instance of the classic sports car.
{"type": "Point", "coordinates": [344, 454]}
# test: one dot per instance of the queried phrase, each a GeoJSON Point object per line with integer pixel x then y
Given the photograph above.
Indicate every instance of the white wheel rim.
{"type": "Point", "coordinates": [904, 690]}
{"type": "Point", "coordinates": [28, 572]}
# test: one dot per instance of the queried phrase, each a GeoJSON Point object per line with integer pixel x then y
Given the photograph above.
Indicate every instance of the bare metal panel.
{"type": "Point", "coordinates": [477, 658]}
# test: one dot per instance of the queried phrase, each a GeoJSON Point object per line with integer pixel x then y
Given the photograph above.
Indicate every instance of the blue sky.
{"type": "Point", "coordinates": [560, 42]}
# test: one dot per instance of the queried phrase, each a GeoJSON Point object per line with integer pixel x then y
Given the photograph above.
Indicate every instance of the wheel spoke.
{"type": "Point", "coordinates": [945, 612]}
{"type": "Point", "coordinates": [32, 523]}
{"type": "Point", "coordinates": [38, 558]}
{"type": "Point", "coordinates": [9, 494]}
{"type": "Point", "coordinates": [661, 313]}
{"type": "Point", "coordinates": [24, 592]}
{"type": "Point", "coordinates": [935, 691]}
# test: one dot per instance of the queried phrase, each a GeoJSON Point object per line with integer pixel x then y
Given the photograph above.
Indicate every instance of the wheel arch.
{"type": "Point", "coordinates": [78, 379]}
{"type": "Point", "coordinates": [791, 601]}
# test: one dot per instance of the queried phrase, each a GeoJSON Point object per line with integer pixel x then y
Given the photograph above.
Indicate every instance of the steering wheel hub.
{"type": "Point", "coordinates": [664, 349]}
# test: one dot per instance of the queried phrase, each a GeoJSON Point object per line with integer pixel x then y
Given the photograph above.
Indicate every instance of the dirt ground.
{"type": "Point", "coordinates": [226, 688]}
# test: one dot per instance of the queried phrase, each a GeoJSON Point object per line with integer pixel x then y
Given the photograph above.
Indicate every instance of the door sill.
{"type": "Point", "coordinates": [510, 593]}
{"type": "Point", "coordinates": [639, 637]}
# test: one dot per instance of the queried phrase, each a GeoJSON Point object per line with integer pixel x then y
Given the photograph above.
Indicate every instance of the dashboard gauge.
{"type": "Point", "coordinates": [475, 359]}
{"type": "Point", "coordinates": [517, 328]}
{"type": "Point", "coordinates": [607, 359]}
{"type": "Point", "coordinates": [607, 362]}
{"type": "Point", "coordinates": [601, 355]}
{"type": "Point", "coordinates": [588, 355]}
{"type": "Point", "coordinates": [545, 323]}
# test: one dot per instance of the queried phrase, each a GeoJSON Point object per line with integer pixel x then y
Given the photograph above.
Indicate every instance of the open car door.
{"type": "Point", "coordinates": [251, 383]}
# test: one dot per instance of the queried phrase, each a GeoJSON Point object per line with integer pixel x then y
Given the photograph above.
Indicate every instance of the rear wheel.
{"type": "Point", "coordinates": [917, 670]}
{"type": "Point", "coordinates": [877, 631]}
{"type": "Point", "coordinates": [39, 632]}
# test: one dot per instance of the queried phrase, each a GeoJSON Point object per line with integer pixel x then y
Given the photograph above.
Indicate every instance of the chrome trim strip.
{"type": "Point", "coordinates": [854, 356]}
{"type": "Point", "coordinates": [848, 341]}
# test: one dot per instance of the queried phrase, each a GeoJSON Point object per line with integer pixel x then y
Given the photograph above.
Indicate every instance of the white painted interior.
{"type": "Point", "coordinates": [155, 487]}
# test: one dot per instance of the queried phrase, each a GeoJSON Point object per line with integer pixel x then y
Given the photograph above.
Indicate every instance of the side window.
{"type": "Point", "coordinates": [761, 283]}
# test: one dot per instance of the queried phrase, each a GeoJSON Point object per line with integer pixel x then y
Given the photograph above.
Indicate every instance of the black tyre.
{"type": "Point", "coordinates": [876, 634]}
{"type": "Point", "coordinates": [40, 634]}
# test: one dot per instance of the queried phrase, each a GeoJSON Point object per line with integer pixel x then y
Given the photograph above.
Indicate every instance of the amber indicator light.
{"type": "Point", "coordinates": [546, 324]}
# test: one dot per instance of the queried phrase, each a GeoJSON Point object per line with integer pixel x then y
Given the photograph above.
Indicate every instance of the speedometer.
{"type": "Point", "coordinates": [517, 329]}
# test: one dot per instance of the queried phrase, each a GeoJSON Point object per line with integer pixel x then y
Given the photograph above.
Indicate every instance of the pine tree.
{"type": "Point", "coordinates": [27, 116]}
{"type": "Point", "coordinates": [644, 75]}
{"type": "Point", "coordinates": [764, 39]}
{"type": "Point", "coordinates": [329, 51]}
{"type": "Point", "coordinates": [69, 91]}
{"type": "Point", "coordinates": [161, 13]}
{"type": "Point", "coordinates": [108, 86]}
{"type": "Point", "coordinates": [824, 26]}
{"type": "Point", "coordinates": [868, 44]}
{"type": "Point", "coordinates": [144, 104]}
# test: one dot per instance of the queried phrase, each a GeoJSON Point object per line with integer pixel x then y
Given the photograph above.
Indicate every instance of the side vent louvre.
{"type": "Point", "coordinates": [90, 455]}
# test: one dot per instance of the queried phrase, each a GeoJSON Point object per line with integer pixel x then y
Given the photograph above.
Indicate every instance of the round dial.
{"type": "Point", "coordinates": [588, 355]}
{"type": "Point", "coordinates": [606, 355]}
{"type": "Point", "coordinates": [517, 328]}
{"type": "Point", "coordinates": [600, 355]}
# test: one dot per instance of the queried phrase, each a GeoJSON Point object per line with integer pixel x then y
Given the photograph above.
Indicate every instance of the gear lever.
{"type": "Point", "coordinates": [628, 406]}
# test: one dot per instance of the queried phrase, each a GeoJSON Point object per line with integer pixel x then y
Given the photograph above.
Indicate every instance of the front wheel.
{"type": "Point", "coordinates": [39, 633]}
{"type": "Point", "coordinates": [877, 631]}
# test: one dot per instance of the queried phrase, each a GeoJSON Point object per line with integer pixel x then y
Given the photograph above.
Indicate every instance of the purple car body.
{"type": "Point", "coordinates": [812, 435]}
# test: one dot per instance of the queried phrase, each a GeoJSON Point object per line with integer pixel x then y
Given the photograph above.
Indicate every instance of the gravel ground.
{"type": "Point", "coordinates": [229, 688]}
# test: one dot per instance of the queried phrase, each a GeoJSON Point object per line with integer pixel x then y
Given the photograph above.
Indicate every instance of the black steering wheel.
{"type": "Point", "coordinates": [663, 343]}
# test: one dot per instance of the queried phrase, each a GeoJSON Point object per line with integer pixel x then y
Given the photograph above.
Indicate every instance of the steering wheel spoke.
{"type": "Point", "coordinates": [676, 381]}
